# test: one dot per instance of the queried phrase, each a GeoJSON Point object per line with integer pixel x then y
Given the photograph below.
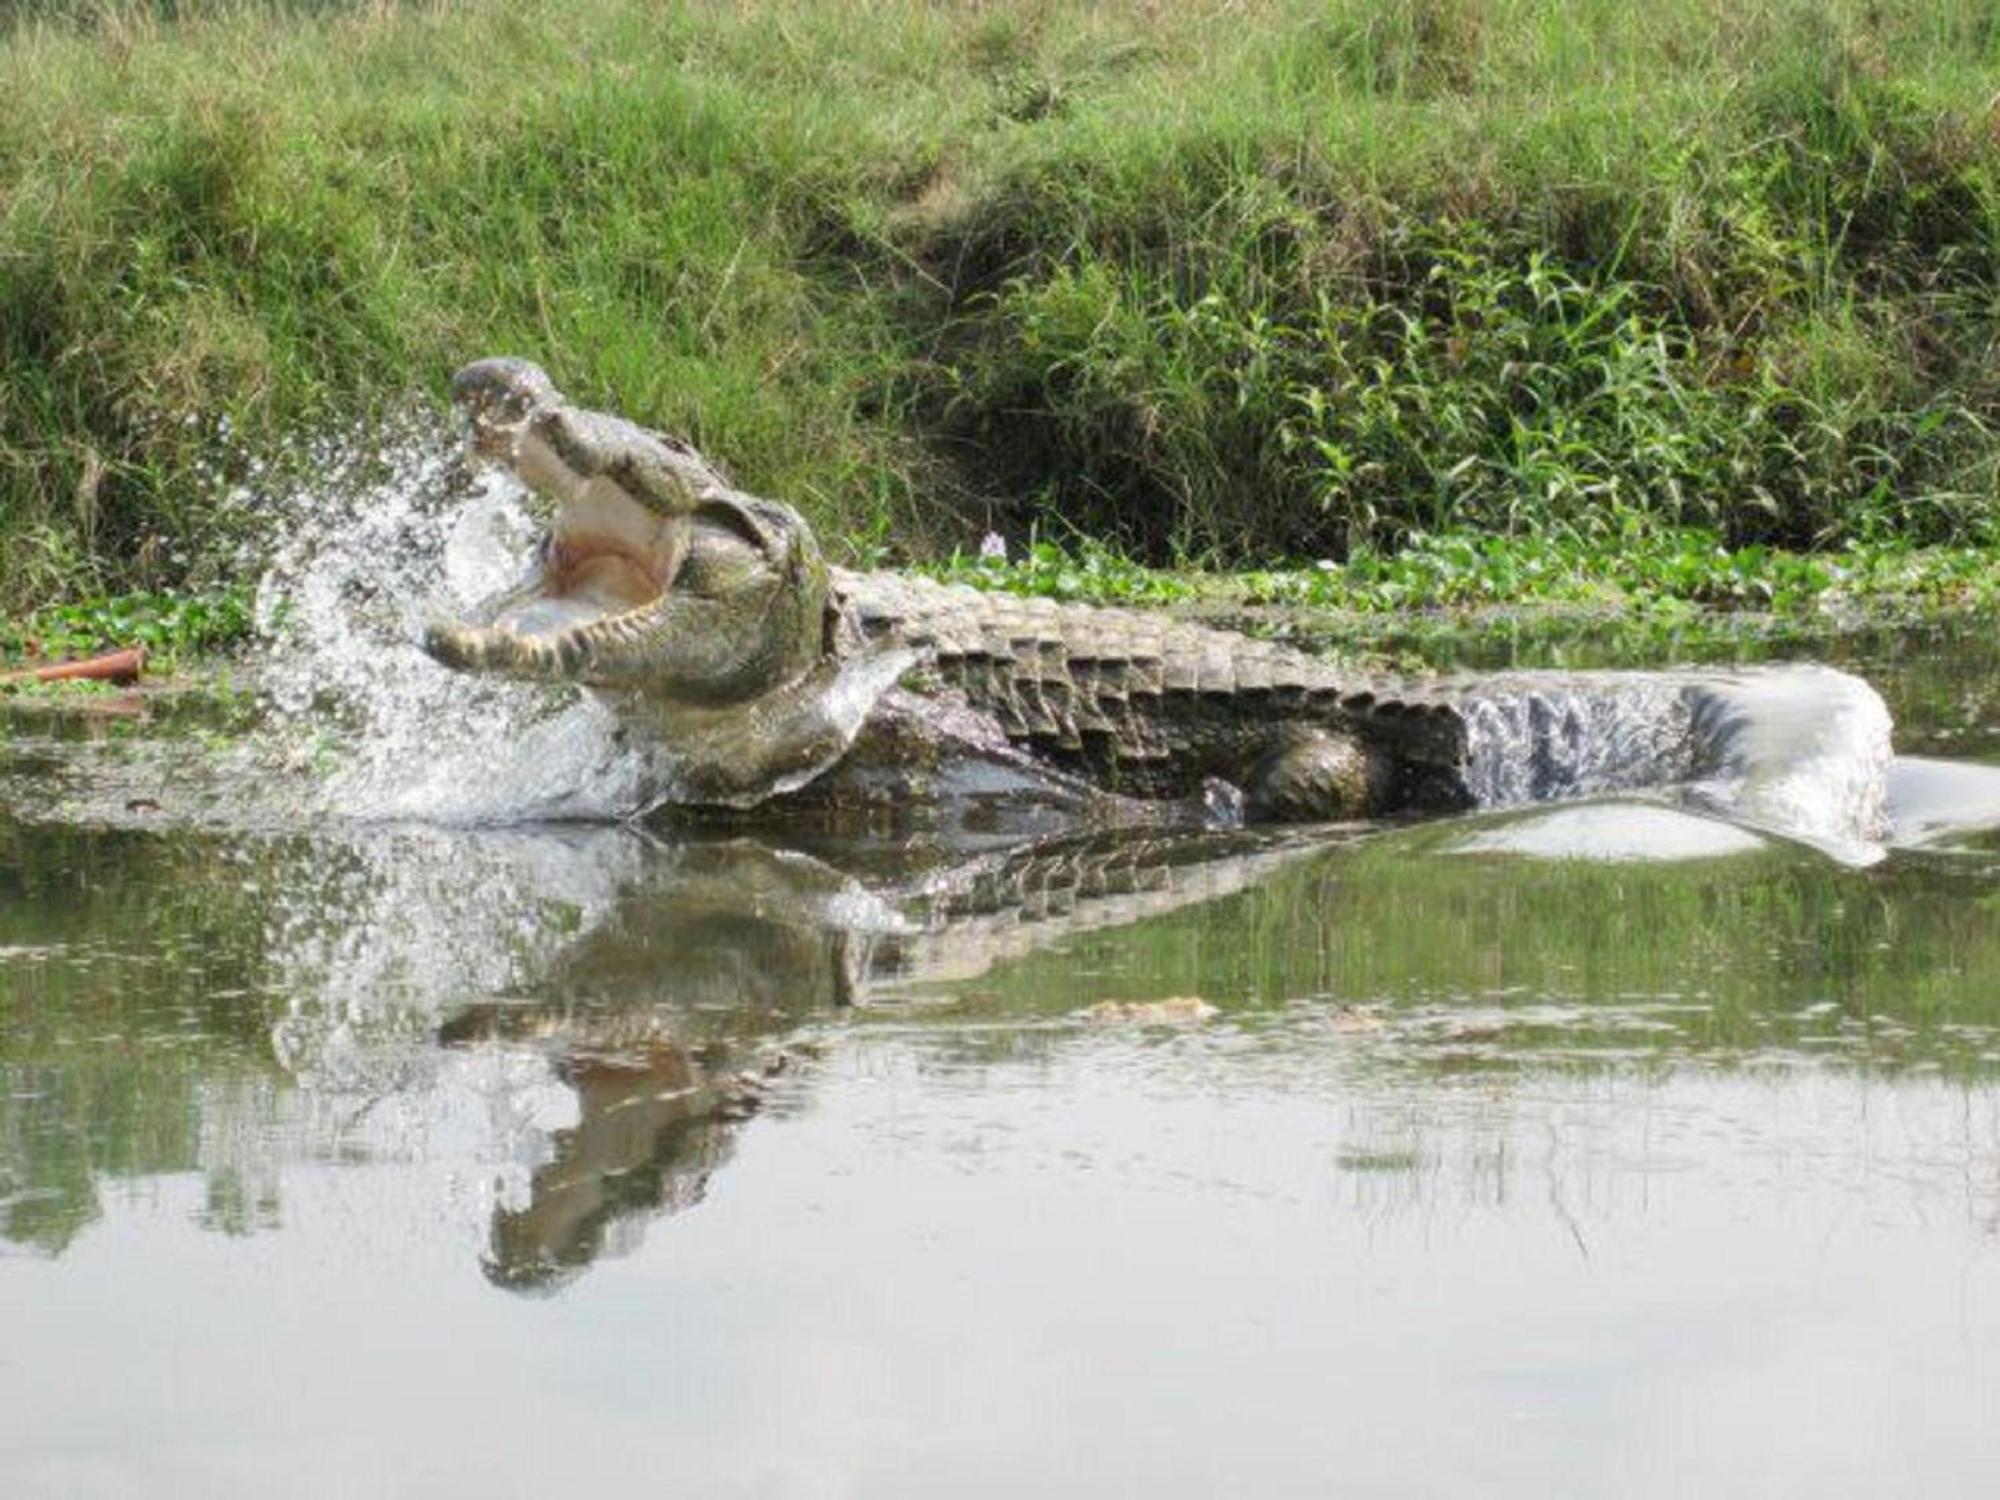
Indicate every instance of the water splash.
{"type": "Point", "coordinates": [1584, 734]}
{"type": "Point", "coordinates": [383, 539]}
{"type": "Point", "coordinates": [1798, 750]}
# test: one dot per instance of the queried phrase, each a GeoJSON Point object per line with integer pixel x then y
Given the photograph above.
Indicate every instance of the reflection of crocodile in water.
{"type": "Point", "coordinates": [760, 667]}
{"type": "Point", "coordinates": [677, 1014]}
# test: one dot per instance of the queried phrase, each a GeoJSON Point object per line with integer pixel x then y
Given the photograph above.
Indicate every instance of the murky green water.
{"type": "Point", "coordinates": [403, 1160]}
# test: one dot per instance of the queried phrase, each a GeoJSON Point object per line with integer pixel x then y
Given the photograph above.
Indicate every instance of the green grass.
{"type": "Point", "coordinates": [1231, 283]}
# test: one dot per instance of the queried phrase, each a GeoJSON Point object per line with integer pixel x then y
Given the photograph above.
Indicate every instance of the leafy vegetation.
{"type": "Point", "coordinates": [1377, 281]}
{"type": "Point", "coordinates": [168, 625]}
{"type": "Point", "coordinates": [1645, 571]}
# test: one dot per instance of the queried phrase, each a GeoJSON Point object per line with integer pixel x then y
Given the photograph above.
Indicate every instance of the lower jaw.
{"type": "Point", "coordinates": [547, 616]}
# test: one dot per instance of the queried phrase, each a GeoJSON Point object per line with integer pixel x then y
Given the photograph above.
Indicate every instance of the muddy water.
{"type": "Point", "coordinates": [1603, 1149]}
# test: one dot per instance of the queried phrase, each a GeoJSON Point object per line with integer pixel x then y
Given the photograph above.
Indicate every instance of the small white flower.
{"type": "Point", "coordinates": [994, 546]}
{"type": "Point", "coordinates": [1327, 565]}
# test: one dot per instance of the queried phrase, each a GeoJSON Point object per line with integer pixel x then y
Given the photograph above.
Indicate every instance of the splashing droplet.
{"type": "Point", "coordinates": [382, 540]}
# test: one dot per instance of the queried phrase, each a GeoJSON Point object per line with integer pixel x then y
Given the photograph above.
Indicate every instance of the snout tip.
{"type": "Point", "coordinates": [502, 388]}
{"type": "Point", "coordinates": [452, 645]}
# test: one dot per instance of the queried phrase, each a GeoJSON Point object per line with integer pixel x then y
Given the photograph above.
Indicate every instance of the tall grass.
{"type": "Point", "coordinates": [1208, 278]}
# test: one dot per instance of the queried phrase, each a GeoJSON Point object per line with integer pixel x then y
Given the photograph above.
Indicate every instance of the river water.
{"type": "Point", "coordinates": [398, 1158]}
{"type": "Point", "coordinates": [1603, 1149]}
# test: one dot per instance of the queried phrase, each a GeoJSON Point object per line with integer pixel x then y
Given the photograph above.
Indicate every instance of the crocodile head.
{"type": "Point", "coordinates": [710, 609]}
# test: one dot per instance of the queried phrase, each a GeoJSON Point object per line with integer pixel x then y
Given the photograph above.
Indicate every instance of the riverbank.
{"type": "Point", "coordinates": [1222, 284]}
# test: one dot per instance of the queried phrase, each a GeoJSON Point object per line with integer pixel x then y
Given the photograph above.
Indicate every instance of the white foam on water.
{"type": "Point", "coordinates": [1797, 750]}
{"type": "Point", "coordinates": [1612, 833]}
{"type": "Point", "coordinates": [1801, 750]}
{"type": "Point", "coordinates": [1932, 802]}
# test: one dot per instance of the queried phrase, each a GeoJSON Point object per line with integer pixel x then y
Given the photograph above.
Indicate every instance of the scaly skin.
{"type": "Point", "coordinates": [1152, 706]}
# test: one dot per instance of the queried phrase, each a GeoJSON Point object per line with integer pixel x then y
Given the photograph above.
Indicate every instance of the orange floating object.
{"type": "Point", "coordinates": [113, 666]}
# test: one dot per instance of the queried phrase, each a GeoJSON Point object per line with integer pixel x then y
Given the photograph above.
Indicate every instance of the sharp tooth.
{"type": "Point", "coordinates": [671, 548]}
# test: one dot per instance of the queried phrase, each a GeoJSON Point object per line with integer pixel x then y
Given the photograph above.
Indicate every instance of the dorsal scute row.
{"type": "Point", "coordinates": [1059, 674]}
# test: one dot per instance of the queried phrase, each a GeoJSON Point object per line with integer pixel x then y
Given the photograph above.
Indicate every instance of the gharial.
{"type": "Point", "coordinates": [714, 618]}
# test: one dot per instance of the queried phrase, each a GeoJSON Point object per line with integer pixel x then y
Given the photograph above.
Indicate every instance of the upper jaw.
{"type": "Point", "coordinates": [516, 417]}
{"type": "Point", "coordinates": [610, 547]}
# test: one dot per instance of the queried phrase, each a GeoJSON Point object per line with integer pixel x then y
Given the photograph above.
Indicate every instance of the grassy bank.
{"type": "Point", "coordinates": [1233, 282]}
